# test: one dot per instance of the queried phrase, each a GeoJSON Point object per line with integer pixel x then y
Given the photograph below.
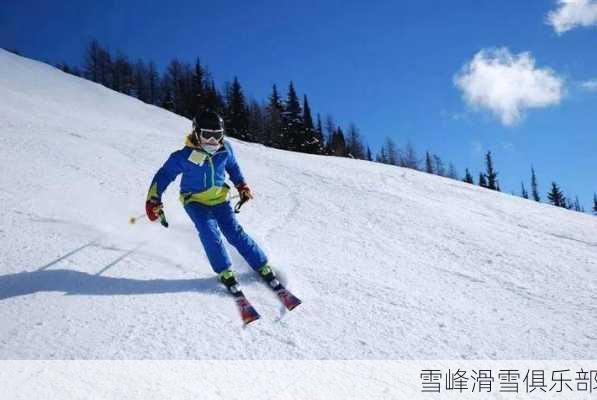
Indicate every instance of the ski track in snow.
{"type": "Point", "coordinates": [390, 263]}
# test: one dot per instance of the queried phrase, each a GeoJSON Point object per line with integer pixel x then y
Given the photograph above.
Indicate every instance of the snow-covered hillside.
{"type": "Point", "coordinates": [391, 263]}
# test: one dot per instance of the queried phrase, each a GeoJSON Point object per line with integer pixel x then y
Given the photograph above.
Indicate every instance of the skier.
{"type": "Point", "coordinates": [203, 162]}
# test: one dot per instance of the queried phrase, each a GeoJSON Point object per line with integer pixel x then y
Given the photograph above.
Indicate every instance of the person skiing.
{"type": "Point", "coordinates": [203, 162]}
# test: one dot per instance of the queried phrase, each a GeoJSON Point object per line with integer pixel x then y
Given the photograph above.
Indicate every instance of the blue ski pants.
{"type": "Point", "coordinates": [209, 221]}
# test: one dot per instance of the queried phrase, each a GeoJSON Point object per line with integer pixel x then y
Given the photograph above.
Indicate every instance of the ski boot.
{"type": "Point", "coordinates": [247, 311]}
{"type": "Point", "coordinates": [229, 281]}
{"type": "Point", "coordinates": [269, 277]}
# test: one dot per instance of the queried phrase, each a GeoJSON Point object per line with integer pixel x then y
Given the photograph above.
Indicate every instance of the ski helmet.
{"type": "Point", "coordinates": [208, 125]}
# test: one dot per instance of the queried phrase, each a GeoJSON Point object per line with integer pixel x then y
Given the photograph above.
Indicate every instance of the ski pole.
{"type": "Point", "coordinates": [133, 220]}
{"type": "Point", "coordinates": [240, 203]}
{"type": "Point", "coordinates": [163, 219]}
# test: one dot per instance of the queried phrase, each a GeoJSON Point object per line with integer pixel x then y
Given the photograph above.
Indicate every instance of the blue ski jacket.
{"type": "Point", "coordinates": [203, 174]}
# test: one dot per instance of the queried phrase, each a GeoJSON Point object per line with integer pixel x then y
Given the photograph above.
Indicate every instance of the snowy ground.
{"type": "Point", "coordinates": [390, 263]}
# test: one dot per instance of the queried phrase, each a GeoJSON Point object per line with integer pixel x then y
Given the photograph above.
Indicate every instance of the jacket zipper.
{"type": "Point", "coordinates": [211, 166]}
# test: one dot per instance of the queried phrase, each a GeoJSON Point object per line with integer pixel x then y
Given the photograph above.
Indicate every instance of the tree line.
{"type": "Point", "coordinates": [280, 122]}
{"type": "Point", "coordinates": [186, 89]}
{"type": "Point", "coordinates": [433, 164]}
{"type": "Point", "coordinates": [555, 196]}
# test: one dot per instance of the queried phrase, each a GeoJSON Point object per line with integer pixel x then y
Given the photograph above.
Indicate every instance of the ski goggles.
{"type": "Point", "coordinates": [215, 134]}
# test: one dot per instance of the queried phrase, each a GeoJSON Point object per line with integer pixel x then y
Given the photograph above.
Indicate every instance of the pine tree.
{"type": "Point", "coordinates": [534, 186]}
{"type": "Point", "coordinates": [153, 84]}
{"type": "Point", "coordinates": [141, 89]}
{"type": "Point", "coordinates": [338, 143]}
{"type": "Point", "coordinates": [319, 136]}
{"type": "Point", "coordinates": [428, 163]}
{"type": "Point", "coordinates": [257, 121]}
{"type": "Point", "coordinates": [491, 174]}
{"type": "Point", "coordinates": [330, 129]}
{"type": "Point", "coordinates": [307, 118]}
{"type": "Point", "coordinates": [556, 196]}
{"type": "Point", "coordinates": [197, 91]}
{"type": "Point", "coordinates": [189, 102]}
{"type": "Point", "coordinates": [369, 156]}
{"type": "Point", "coordinates": [166, 96]}
{"type": "Point", "coordinates": [482, 180]}
{"type": "Point", "coordinates": [523, 191]}
{"type": "Point", "coordinates": [293, 137]}
{"type": "Point", "coordinates": [595, 203]}
{"type": "Point", "coordinates": [237, 115]}
{"type": "Point", "coordinates": [273, 126]}
{"type": "Point", "coordinates": [468, 178]}
{"type": "Point", "coordinates": [355, 148]}
{"type": "Point", "coordinates": [319, 124]}
{"type": "Point", "coordinates": [213, 98]}
{"type": "Point", "coordinates": [311, 142]}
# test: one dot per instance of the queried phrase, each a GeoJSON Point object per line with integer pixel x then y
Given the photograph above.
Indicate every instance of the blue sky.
{"type": "Point", "coordinates": [388, 66]}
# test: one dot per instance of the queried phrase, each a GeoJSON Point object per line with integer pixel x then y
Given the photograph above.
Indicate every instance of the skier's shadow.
{"type": "Point", "coordinates": [72, 282]}
{"type": "Point", "coordinates": [81, 283]}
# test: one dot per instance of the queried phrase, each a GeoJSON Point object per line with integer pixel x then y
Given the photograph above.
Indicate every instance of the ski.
{"type": "Point", "coordinates": [289, 300]}
{"type": "Point", "coordinates": [248, 313]}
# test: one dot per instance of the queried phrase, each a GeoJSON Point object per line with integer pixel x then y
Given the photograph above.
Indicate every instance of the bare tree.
{"type": "Point", "coordinates": [408, 158]}
{"type": "Point", "coordinates": [452, 173]}
{"type": "Point", "coordinates": [391, 151]}
{"type": "Point", "coordinates": [438, 165]}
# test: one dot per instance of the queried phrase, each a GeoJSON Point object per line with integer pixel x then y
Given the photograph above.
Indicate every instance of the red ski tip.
{"type": "Point", "coordinates": [247, 312]}
{"type": "Point", "coordinates": [248, 320]}
{"type": "Point", "coordinates": [290, 301]}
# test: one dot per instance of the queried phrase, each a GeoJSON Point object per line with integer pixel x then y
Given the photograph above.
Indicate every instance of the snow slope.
{"type": "Point", "coordinates": [391, 263]}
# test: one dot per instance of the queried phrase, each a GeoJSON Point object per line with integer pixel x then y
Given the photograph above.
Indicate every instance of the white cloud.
{"type": "Point", "coordinates": [590, 85]}
{"type": "Point", "coordinates": [573, 13]}
{"type": "Point", "coordinates": [507, 84]}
